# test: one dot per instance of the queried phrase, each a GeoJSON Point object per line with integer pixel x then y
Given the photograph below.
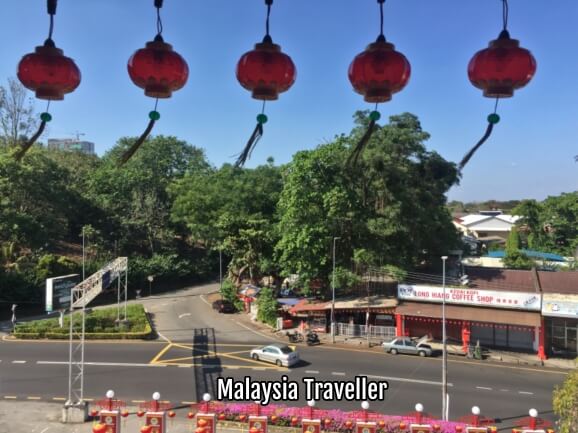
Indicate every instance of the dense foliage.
{"type": "Point", "coordinates": [565, 402]}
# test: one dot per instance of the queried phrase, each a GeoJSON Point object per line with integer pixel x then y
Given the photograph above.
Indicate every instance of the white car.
{"type": "Point", "coordinates": [279, 354]}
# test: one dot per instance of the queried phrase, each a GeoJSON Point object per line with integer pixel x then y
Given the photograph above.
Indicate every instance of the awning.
{"type": "Point", "coordinates": [475, 314]}
{"type": "Point", "coordinates": [379, 303]}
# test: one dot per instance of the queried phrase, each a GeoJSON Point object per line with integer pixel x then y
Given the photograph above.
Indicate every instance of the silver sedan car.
{"type": "Point", "coordinates": [279, 354]}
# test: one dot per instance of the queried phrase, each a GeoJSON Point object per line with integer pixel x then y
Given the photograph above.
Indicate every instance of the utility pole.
{"type": "Point", "coordinates": [333, 298]}
{"type": "Point", "coordinates": [445, 353]}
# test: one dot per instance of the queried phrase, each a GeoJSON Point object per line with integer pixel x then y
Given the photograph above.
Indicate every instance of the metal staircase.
{"type": "Point", "coordinates": [81, 295]}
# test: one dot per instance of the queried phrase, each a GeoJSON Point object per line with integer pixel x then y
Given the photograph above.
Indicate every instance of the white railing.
{"type": "Point", "coordinates": [94, 285]}
{"type": "Point", "coordinates": [361, 331]}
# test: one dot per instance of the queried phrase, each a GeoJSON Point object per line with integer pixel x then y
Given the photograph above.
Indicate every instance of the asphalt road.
{"type": "Point", "coordinates": [199, 345]}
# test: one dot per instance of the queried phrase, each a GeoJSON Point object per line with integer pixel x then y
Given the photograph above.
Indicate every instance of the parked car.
{"type": "Point", "coordinates": [279, 354]}
{"type": "Point", "coordinates": [223, 306]}
{"type": "Point", "coordinates": [408, 346]}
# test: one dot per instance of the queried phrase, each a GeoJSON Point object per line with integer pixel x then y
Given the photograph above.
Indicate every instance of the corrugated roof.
{"type": "Point", "coordinates": [565, 282]}
{"type": "Point", "coordinates": [530, 253]}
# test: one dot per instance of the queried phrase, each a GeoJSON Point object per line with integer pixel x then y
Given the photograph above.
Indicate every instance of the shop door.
{"type": "Point", "coordinates": [571, 341]}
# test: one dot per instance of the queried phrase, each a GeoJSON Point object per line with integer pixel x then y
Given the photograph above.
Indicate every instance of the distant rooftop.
{"type": "Point", "coordinates": [550, 257]}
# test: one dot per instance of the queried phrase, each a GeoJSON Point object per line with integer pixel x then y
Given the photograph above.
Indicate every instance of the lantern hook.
{"type": "Point", "coordinates": [159, 5]}
{"type": "Point", "coordinates": [51, 9]}
{"type": "Point", "coordinates": [381, 2]}
{"type": "Point", "coordinates": [268, 3]}
{"type": "Point", "coordinates": [505, 11]}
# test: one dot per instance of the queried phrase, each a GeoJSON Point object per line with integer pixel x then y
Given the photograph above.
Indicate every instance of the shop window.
{"type": "Point", "coordinates": [520, 339]}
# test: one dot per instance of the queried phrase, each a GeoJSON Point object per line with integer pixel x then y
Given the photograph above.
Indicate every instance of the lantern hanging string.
{"type": "Point", "coordinates": [381, 2]}
{"type": "Point", "coordinates": [51, 9]}
{"type": "Point", "coordinates": [492, 120]}
{"type": "Point", "coordinates": [253, 140]}
{"type": "Point", "coordinates": [268, 3]}
{"type": "Point", "coordinates": [45, 118]}
{"type": "Point", "coordinates": [153, 116]}
{"type": "Point", "coordinates": [505, 11]}
{"type": "Point", "coordinates": [159, 5]}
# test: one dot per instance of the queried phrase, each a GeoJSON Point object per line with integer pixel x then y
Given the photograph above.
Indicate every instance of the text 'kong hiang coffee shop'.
{"type": "Point", "coordinates": [498, 308]}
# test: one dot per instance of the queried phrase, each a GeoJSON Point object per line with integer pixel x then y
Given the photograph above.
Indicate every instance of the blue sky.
{"type": "Point", "coordinates": [530, 155]}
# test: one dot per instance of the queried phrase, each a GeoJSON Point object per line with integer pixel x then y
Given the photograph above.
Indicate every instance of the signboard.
{"type": "Point", "coordinates": [311, 425]}
{"type": "Point", "coordinates": [58, 292]}
{"type": "Point", "coordinates": [420, 428]}
{"type": "Point", "coordinates": [110, 419]}
{"type": "Point", "coordinates": [466, 296]}
{"type": "Point", "coordinates": [365, 427]}
{"type": "Point", "coordinates": [157, 421]}
{"type": "Point", "coordinates": [560, 305]}
{"type": "Point", "coordinates": [258, 422]}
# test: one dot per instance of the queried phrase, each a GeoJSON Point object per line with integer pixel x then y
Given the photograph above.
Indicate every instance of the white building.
{"type": "Point", "coordinates": [486, 226]}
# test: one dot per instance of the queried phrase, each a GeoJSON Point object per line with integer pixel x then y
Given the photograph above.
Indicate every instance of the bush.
{"type": "Point", "coordinates": [267, 305]}
{"type": "Point", "coordinates": [99, 323]}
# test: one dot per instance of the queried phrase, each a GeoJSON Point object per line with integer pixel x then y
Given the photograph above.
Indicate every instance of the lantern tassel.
{"type": "Point", "coordinates": [130, 152]}
{"type": "Point", "coordinates": [246, 153]}
{"type": "Point", "coordinates": [353, 157]}
{"type": "Point", "coordinates": [26, 146]}
{"type": "Point", "coordinates": [492, 120]}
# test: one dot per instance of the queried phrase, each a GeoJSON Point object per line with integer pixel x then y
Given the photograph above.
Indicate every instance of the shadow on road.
{"type": "Point", "coordinates": [207, 363]}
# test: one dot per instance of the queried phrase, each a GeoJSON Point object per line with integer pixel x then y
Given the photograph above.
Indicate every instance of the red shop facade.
{"type": "Point", "coordinates": [497, 319]}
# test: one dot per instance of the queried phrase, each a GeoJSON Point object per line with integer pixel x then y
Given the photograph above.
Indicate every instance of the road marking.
{"type": "Point", "coordinates": [163, 337]}
{"type": "Point", "coordinates": [185, 365]}
{"type": "Point", "coordinates": [205, 301]}
{"type": "Point", "coordinates": [404, 379]}
{"type": "Point", "coordinates": [184, 315]}
{"type": "Point", "coordinates": [525, 392]}
{"type": "Point", "coordinates": [43, 431]}
{"type": "Point", "coordinates": [10, 397]}
{"type": "Point", "coordinates": [269, 337]}
{"type": "Point", "coordinates": [337, 373]}
{"type": "Point", "coordinates": [18, 362]}
{"type": "Point", "coordinates": [102, 364]}
{"type": "Point", "coordinates": [161, 353]}
{"type": "Point", "coordinates": [312, 371]}
{"type": "Point", "coordinates": [58, 399]}
{"type": "Point", "coordinates": [32, 398]}
{"type": "Point", "coordinates": [258, 368]}
{"type": "Point", "coordinates": [484, 388]}
{"type": "Point", "coordinates": [234, 368]}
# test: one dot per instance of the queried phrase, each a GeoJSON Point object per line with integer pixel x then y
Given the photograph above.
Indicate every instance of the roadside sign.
{"type": "Point", "coordinates": [58, 292]}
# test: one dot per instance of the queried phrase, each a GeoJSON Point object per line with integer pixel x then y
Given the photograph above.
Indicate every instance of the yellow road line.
{"type": "Point", "coordinates": [89, 399]}
{"type": "Point", "coordinates": [161, 353]}
{"type": "Point", "coordinates": [164, 361]}
{"type": "Point", "coordinates": [58, 398]}
{"type": "Point", "coordinates": [32, 398]}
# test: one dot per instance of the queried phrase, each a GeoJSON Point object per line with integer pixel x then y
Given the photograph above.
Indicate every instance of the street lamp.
{"type": "Point", "coordinates": [533, 414]}
{"type": "Point", "coordinates": [311, 404]}
{"type": "Point", "coordinates": [151, 278]}
{"type": "Point", "coordinates": [418, 410]}
{"type": "Point", "coordinates": [333, 298]}
{"type": "Point", "coordinates": [444, 353]}
{"type": "Point", "coordinates": [476, 412]}
{"type": "Point", "coordinates": [365, 407]}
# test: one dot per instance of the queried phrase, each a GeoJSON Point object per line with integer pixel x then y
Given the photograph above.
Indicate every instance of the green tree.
{"type": "Point", "coordinates": [565, 402]}
{"type": "Point", "coordinates": [17, 120]}
{"type": "Point", "coordinates": [233, 209]}
{"type": "Point", "coordinates": [391, 204]}
{"type": "Point", "coordinates": [267, 306]}
{"type": "Point", "coordinates": [514, 258]}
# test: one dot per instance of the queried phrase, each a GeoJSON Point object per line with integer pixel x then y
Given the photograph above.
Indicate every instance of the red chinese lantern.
{"type": "Point", "coordinates": [348, 424]}
{"type": "Point", "coordinates": [93, 412]}
{"type": "Point", "coordinates": [294, 421]}
{"type": "Point", "coordinates": [124, 413]}
{"type": "Point", "coordinates": [273, 418]}
{"type": "Point", "coordinates": [146, 429]}
{"type": "Point", "coordinates": [327, 422]}
{"type": "Point", "coordinates": [202, 422]}
{"type": "Point", "coordinates": [242, 418]}
{"type": "Point", "coordinates": [171, 414]}
{"type": "Point", "coordinates": [190, 415]}
{"type": "Point", "coordinates": [499, 70]}
{"type": "Point", "coordinates": [402, 425]}
{"type": "Point", "coordinates": [48, 73]}
{"type": "Point", "coordinates": [222, 417]}
{"type": "Point", "coordinates": [377, 73]}
{"type": "Point", "coordinates": [459, 429]}
{"type": "Point", "coordinates": [99, 428]}
{"type": "Point", "coordinates": [159, 71]}
{"type": "Point", "coordinates": [381, 423]}
{"type": "Point", "coordinates": [254, 430]}
{"type": "Point", "coordinates": [200, 430]}
{"type": "Point", "coordinates": [502, 67]}
{"type": "Point", "coordinates": [140, 413]}
{"type": "Point", "coordinates": [265, 71]}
